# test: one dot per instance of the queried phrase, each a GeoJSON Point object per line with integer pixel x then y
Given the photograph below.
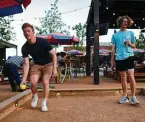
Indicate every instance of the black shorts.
{"type": "Point", "coordinates": [124, 65]}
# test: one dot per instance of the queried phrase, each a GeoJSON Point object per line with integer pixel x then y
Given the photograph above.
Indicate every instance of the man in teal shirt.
{"type": "Point", "coordinates": [123, 41]}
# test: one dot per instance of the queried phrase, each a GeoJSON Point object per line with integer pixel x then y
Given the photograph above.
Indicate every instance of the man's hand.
{"type": "Point", "coordinates": [54, 60]}
{"type": "Point", "coordinates": [127, 42]}
{"type": "Point", "coordinates": [54, 73]}
{"type": "Point", "coordinates": [112, 63]}
{"type": "Point", "coordinates": [23, 82]}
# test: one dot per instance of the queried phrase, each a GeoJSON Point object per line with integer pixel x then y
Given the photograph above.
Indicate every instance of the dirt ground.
{"type": "Point", "coordinates": [80, 82]}
{"type": "Point", "coordinates": [6, 93]}
{"type": "Point", "coordinates": [81, 109]}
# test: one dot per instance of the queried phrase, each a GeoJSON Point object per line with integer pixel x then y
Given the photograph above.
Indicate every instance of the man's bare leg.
{"type": "Point", "coordinates": [132, 86]}
{"type": "Point", "coordinates": [46, 79]}
{"type": "Point", "coordinates": [34, 80]}
{"type": "Point", "coordinates": [124, 98]}
{"type": "Point", "coordinates": [132, 81]}
{"type": "Point", "coordinates": [124, 82]}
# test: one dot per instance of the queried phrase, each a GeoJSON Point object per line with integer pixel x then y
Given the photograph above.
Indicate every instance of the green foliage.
{"type": "Point", "coordinates": [77, 47]}
{"type": "Point", "coordinates": [80, 31]}
{"type": "Point", "coordinates": [52, 21]}
{"type": "Point", "coordinates": [140, 42]}
{"type": "Point", "coordinates": [81, 34]}
{"type": "Point", "coordinates": [6, 33]}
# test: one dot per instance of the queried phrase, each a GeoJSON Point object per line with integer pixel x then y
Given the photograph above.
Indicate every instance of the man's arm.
{"type": "Point", "coordinates": [54, 60]}
{"type": "Point", "coordinates": [132, 41]}
{"type": "Point", "coordinates": [112, 55]}
{"type": "Point", "coordinates": [25, 69]}
{"type": "Point", "coordinates": [132, 45]}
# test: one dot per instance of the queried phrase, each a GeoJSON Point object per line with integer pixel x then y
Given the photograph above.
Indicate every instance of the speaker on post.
{"type": "Point", "coordinates": [103, 28]}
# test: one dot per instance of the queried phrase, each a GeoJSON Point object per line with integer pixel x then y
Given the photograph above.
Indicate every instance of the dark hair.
{"type": "Point", "coordinates": [62, 54]}
{"type": "Point", "coordinates": [121, 18]}
{"type": "Point", "coordinates": [25, 25]}
{"type": "Point", "coordinates": [9, 57]}
{"type": "Point", "coordinates": [58, 54]}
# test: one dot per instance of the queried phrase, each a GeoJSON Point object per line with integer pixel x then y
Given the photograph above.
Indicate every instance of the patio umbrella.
{"type": "Point", "coordinates": [136, 51]}
{"type": "Point", "coordinates": [75, 52]}
{"type": "Point", "coordinates": [11, 7]}
{"type": "Point", "coordinates": [104, 52]}
{"type": "Point", "coordinates": [60, 39]}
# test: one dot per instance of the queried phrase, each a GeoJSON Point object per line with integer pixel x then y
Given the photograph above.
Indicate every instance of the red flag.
{"type": "Point", "coordinates": [26, 3]}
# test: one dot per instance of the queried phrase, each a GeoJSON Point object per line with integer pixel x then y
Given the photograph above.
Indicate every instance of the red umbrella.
{"type": "Point", "coordinates": [104, 52]}
{"type": "Point", "coordinates": [60, 39]}
{"type": "Point", "coordinates": [11, 7]}
{"type": "Point", "coordinates": [135, 50]}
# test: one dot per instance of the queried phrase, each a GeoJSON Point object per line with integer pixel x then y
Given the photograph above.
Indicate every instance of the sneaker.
{"type": "Point", "coordinates": [44, 108]}
{"type": "Point", "coordinates": [133, 100]}
{"type": "Point", "coordinates": [34, 101]}
{"type": "Point", "coordinates": [14, 87]}
{"type": "Point", "coordinates": [124, 99]}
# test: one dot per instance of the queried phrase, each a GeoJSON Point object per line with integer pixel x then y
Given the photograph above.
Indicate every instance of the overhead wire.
{"type": "Point", "coordinates": [60, 13]}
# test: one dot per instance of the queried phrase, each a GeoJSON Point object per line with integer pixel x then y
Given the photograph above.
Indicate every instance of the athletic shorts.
{"type": "Point", "coordinates": [124, 65]}
{"type": "Point", "coordinates": [41, 69]}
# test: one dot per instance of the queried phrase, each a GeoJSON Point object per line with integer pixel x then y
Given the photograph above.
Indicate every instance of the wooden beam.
{"type": "Point", "coordinates": [127, 0]}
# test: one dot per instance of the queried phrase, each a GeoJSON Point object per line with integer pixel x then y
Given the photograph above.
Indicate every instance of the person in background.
{"type": "Point", "coordinates": [123, 41]}
{"type": "Point", "coordinates": [62, 58]}
{"type": "Point", "coordinates": [58, 55]}
{"type": "Point", "coordinates": [13, 63]}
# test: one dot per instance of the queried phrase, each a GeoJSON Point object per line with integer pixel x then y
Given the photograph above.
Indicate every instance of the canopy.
{"type": "Point", "coordinates": [60, 39]}
{"type": "Point", "coordinates": [75, 52]}
{"type": "Point", "coordinates": [11, 7]}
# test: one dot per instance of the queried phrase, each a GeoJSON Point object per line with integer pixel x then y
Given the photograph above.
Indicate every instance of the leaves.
{"type": "Point", "coordinates": [6, 33]}
{"type": "Point", "coordinates": [80, 31]}
{"type": "Point", "coordinates": [52, 21]}
{"type": "Point", "coordinates": [140, 42]}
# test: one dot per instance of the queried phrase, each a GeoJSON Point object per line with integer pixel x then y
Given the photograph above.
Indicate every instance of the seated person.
{"type": "Point", "coordinates": [11, 71]}
{"type": "Point", "coordinates": [62, 59]}
{"type": "Point", "coordinates": [58, 56]}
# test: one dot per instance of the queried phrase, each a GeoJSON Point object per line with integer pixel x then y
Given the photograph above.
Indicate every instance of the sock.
{"type": "Point", "coordinates": [44, 101]}
{"type": "Point", "coordinates": [35, 95]}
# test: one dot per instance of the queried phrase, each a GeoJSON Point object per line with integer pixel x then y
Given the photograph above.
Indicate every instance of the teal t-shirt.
{"type": "Point", "coordinates": [122, 52]}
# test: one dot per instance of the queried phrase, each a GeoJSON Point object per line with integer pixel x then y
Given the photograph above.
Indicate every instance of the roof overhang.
{"type": "Point", "coordinates": [110, 10]}
{"type": "Point", "coordinates": [4, 44]}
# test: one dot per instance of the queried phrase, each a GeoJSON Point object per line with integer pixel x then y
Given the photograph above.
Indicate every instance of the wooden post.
{"type": "Point", "coordinates": [96, 42]}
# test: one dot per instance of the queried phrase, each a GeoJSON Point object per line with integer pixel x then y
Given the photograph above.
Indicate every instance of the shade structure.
{"type": "Point", "coordinates": [60, 39]}
{"type": "Point", "coordinates": [11, 7]}
{"type": "Point", "coordinates": [110, 10]}
{"type": "Point", "coordinates": [75, 52]}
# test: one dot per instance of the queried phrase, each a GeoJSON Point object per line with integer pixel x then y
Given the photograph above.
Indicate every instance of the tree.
{"type": "Point", "coordinates": [140, 42]}
{"type": "Point", "coordinates": [81, 33]}
{"type": "Point", "coordinates": [52, 21]}
{"type": "Point", "coordinates": [6, 33]}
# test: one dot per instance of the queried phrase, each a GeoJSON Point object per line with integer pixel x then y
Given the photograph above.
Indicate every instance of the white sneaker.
{"type": "Point", "coordinates": [134, 100]}
{"type": "Point", "coordinates": [124, 99]}
{"type": "Point", "coordinates": [44, 108]}
{"type": "Point", "coordinates": [34, 101]}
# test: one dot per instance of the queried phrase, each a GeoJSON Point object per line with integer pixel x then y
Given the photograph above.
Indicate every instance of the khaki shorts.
{"type": "Point", "coordinates": [41, 69]}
